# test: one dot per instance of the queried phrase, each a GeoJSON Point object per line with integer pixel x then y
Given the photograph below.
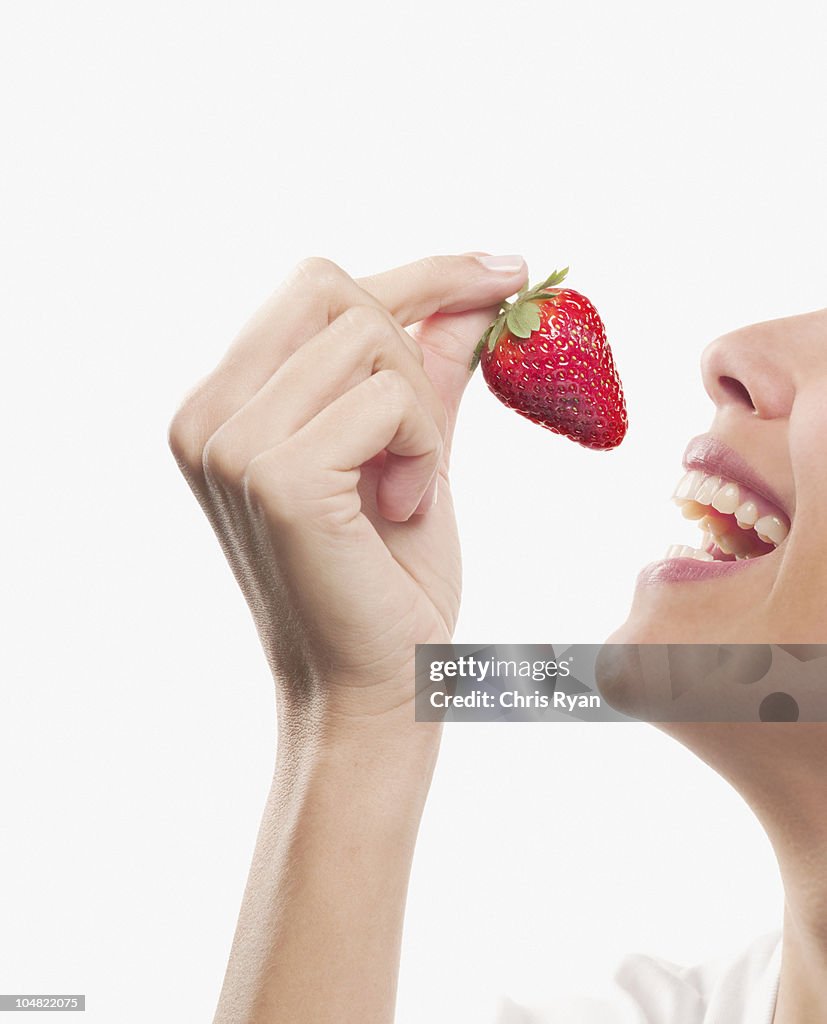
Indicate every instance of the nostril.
{"type": "Point", "coordinates": [736, 392]}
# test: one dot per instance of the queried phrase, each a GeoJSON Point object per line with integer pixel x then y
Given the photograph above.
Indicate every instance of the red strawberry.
{"type": "Point", "coordinates": [547, 358]}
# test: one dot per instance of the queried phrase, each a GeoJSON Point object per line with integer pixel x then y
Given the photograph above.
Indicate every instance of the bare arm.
{"type": "Point", "coordinates": [317, 448]}
{"type": "Point", "coordinates": [319, 933]}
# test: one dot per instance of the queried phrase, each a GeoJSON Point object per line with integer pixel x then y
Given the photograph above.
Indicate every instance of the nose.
{"type": "Point", "coordinates": [751, 370]}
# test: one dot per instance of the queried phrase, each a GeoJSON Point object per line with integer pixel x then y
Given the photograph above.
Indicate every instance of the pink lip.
{"type": "Point", "coordinates": [712, 456]}
{"type": "Point", "coordinates": [678, 570]}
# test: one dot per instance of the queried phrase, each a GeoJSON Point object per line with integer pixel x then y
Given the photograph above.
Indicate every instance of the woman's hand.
{"type": "Point", "coordinates": [319, 450]}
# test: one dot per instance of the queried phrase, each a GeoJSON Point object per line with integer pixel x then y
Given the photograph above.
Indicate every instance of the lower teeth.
{"type": "Point", "coordinates": [684, 551]}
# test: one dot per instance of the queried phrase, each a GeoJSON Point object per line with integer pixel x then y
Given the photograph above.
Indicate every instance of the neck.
{"type": "Point", "coordinates": [781, 771]}
{"type": "Point", "coordinates": [786, 786]}
{"type": "Point", "coordinates": [801, 848]}
{"type": "Point", "coordinates": [802, 993]}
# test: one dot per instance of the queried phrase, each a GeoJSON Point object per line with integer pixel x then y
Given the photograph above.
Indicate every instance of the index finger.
{"type": "Point", "coordinates": [446, 284]}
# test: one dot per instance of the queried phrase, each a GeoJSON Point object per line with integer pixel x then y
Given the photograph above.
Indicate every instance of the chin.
{"type": "Point", "coordinates": [663, 625]}
{"type": "Point", "coordinates": [726, 610]}
{"type": "Point", "coordinates": [663, 644]}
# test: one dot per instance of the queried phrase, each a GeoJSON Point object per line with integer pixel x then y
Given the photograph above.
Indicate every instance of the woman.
{"type": "Point", "coordinates": [319, 449]}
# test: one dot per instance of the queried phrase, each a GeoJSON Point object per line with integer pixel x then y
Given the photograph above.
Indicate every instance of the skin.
{"type": "Point", "coordinates": [768, 383]}
{"type": "Point", "coordinates": [316, 449]}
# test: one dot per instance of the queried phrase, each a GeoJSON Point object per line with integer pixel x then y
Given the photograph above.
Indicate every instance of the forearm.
{"type": "Point", "coordinates": [319, 932]}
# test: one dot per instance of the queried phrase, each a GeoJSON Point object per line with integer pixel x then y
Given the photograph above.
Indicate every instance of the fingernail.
{"type": "Point", "coordinates": [436, 492]}
{"type": "Point", "coordinates": [502, 264]}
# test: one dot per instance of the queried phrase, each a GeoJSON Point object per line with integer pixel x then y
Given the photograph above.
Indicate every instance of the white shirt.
{"type": "Point", "coordinates": [648, 990]}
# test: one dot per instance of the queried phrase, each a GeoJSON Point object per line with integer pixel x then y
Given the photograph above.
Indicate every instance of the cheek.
{"type": "Point", "coordinates": [800, 596]}
{"type": "Point", "coordinates": [799, 612]}
{"type": "Point", "coordinates": [808, 447]}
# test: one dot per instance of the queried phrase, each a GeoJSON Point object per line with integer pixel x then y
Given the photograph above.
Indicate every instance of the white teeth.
{"type": "Point", "coordinates": [746, 515]}
{"type": "Point", "coordinates": [685, 551]}
{"type": "Point", "coordinates": [771, 529]}
{"type": "Point", "coordinates": [726, 500]}
{"type": "Point", "coordinates": [706, 492]}
{"type": "Point", "coordinates": [692, 509]}
{"type": "Point", "coordinates": [688, 484]}
{"type": "Point", "coordinates": [724, 542]}
{"type": "Point", "coordinates": [697, 495]}
{"type": "Point", "coordinates": [712, 526]}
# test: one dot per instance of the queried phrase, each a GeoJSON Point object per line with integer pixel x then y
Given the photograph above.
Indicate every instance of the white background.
{"type": "Point", "coordinates": [164, 165]}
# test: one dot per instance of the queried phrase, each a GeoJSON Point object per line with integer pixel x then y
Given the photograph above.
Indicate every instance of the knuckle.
{"type": "Point", "coordinates": [392, 387]}
{"type": "Point", "coordinates": [365, 318]}
{"type": "Point", "coordinates": [436, 265]}
{"type": "Point", "coordinates": [183, 437]}
{"type": "Point", "coordinates": [265, 484]}
{"type": "Point", "coordinates": [443, 272]}
{"type": "Point", "coordinates": [374, 327]}
{"type": "Point", "coordinates": [319, 272]}
{"type": "Point", "coordinates": [222, 460]}
{"type": "Point", "coordinates": [253, 484]}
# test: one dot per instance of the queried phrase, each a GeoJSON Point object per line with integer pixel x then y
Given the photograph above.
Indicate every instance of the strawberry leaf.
{"type": "Point", "coordinates": [496, 330]}
{"type": "Point", "coordinates": [480, 346]}
{"type": "Point", "coordinates": [523, 319]}
{"type": "Point", "coordinates": [475, 358]}
{"type": "Point", "coordinates": [553, 279]}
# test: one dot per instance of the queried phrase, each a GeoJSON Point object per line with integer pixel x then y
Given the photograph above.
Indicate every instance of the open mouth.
{"type": "Point", "coordinates": [736, 521]}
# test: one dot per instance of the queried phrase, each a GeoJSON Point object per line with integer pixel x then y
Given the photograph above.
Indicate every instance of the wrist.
{"type": "Point", "coordinates": [379, 765]}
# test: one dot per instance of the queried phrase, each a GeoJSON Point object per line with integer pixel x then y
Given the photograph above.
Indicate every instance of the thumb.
{"type": "Point", "coordinates": [447, 341]}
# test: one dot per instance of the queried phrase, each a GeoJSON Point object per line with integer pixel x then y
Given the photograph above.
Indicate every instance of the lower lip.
{"type": "Point", "coordinates": [685, 570]}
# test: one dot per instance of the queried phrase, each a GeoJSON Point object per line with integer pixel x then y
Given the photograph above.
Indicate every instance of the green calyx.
{"type": "Point", "coordinates": [521, 317]}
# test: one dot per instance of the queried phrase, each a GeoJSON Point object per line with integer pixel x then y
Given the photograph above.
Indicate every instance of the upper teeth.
{"type": "Point", "coordinates": [771, 529]}
{"type": "Point", "coordinates": [746, 514]}
{"type": "Point", "coordinates": [698, 494]}
{"type": "Point", "coordinates": [707, 489]}
{"type": "Point", "coordinates": [726, 499]}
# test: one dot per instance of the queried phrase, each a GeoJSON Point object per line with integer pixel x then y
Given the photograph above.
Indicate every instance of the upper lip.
{"type": "Point", "coordinates": [714, 457]}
